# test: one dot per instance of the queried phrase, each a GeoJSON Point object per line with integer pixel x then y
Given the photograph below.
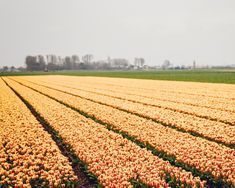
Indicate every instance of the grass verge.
{"type": "Point", "coordinates": [201, 75]}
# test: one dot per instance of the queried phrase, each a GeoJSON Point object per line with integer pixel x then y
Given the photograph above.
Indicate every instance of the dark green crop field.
{"type": "Point", "coordinates": [211, 76]}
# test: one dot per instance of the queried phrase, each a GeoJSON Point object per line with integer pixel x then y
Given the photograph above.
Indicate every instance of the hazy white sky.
{"type": "Point", "coordinates": [178, 30]}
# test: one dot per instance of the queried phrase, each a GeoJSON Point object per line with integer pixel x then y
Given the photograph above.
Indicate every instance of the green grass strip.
{"type": "Point", "coordinates": [200, 75]}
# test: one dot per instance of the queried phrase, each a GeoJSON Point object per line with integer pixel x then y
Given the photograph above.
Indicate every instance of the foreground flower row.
{"type": "Point", "coordinates": [27, 153]}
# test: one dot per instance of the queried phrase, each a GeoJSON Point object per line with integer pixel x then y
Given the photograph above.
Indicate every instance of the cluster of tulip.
{"type": "Point", "coordinates": [205, 127]}
{"type": "Point", "coordinates": [201, 100]}
{"type": "Point", "coordinates": [222, 91]}
{"type": "Point", "coordinates": [194, 100]}
{"type": "Point", "coordinates": [211, 113]}
{"type": "Point", "coordinates": [27, 152]}
{"type": "Point", "coordinates": [186, 148]}
{"type": "Point", "coordinates": [112, 158]}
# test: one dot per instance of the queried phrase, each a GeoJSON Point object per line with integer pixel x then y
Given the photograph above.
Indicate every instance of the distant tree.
{"type": "Point", "coordinates": [177, 67]}
{"type": "Point", "coordinates": [136, 62]}
{"type": "Point", "coordinates": [87, 58]}
{"type": "Point", "coordinates": [166, 64]}
{"type": "Point", "coordinates": [52, 67]}
{"type": "Point", "coordinates": [41, 60]}
{"type": "Point", "coordinates": [5, 69]}
{"type": "Point", "coordinates": [75, 59]}
{"type": "Point", "coordinates": [142, 61]}
{"type": "Point", "coordinates": [12, 68]}
{"type": "Point", "coordinates": [21, 69]}
{"type": "Point", "coordinates": [194, 64]}
{"type": "Point", "coordinates": [119, 63]}
{"type": "Point", "coordinates": [139, 62]}
{"type": "Point", "coordinates": [183, 67]}
{"type": "Point", "coordinates": [75, 62]}
{"type": "Point", "coordinates": [33, 63]}
{"type": "Point", "coordinates": [30, 62]}
{"type": "Point", "coordinates": [41, 63]}
{"type": "Point", "coordinates": [67, 63]}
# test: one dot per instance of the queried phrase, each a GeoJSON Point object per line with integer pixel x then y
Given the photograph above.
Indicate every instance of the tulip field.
{"type": "Point", "coordinates": [71, 131]}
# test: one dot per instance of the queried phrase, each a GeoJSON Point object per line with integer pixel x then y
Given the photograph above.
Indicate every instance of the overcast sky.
{"type": "Point", "coordinates": [178, 30]}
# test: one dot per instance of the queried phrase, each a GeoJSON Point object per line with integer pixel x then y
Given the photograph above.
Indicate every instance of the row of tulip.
{"type": "Point", "coordinates": [217, 131]}
{"type": "Point", "coordinates": [28, 155]}
{"type": "Point", "coordinates": [214, 91]}
{"type": "Point", "coordinates": [204, 155]}
{"type": "Point", "coordinates": [112, 158]}
{"type": "Point", "coordinates": [178, 98]}
{"type": "Point", "coordinates": [213, 114]}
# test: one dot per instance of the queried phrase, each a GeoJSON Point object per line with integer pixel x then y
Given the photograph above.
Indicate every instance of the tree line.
{"type": "Point", "coordinates": [55, 63]}
{"type": "Point", "coordinates": [74, 62]}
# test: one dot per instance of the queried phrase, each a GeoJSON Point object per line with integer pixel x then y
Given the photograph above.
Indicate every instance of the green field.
{"type": "Point", "coordinates": [211, 76]}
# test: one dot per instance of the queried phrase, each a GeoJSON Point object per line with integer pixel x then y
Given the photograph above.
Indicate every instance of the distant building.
{"type": "Point", "coordinates": [109, 60]}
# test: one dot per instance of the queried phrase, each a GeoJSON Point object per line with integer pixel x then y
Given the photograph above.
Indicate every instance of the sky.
{"type": "Point", "coordinates": [181, 31]}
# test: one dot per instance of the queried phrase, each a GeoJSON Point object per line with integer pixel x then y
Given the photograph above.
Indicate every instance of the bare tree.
{"type": "Point", "coordinates": [87, 58]}
{"type": "Point", "coordinates": [142, 61]}
{"type": "Point", "coordinates": [75, 59]}
{"type": "Point", "coordinates": [139, 62]}
{"type": "Point", "coordinates": [34, 63]}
